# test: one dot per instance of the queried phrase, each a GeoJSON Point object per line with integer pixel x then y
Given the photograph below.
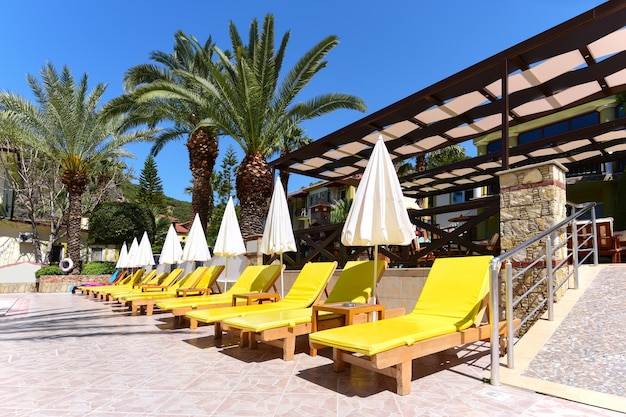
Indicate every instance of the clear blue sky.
{"type": "Point", "coordinates": [388, 49]}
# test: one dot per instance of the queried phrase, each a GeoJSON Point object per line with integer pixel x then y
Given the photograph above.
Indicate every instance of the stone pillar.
{"type": "Point", "coordinates": [253, 250]}
{"type": "Point", "coordinates": [532, 200]}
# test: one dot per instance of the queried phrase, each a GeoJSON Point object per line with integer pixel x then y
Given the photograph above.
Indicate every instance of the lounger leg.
{"type": "Point", "coordinates": [149, 308]}
{"type": "Point", "coordinates": [252, 342]}
{"type": "Point", "coordinates": [338, 364]}
{"type": "Point", "coordinates": [218, 331]}
{"type": "Point", "coordinates": [133, 308]}
{"type": "Point", "coordinates": [289, 348]}
{"type": "Point", "coordinates": [403, 377]}
{"type": "Point", "coordinates": [244, 339]}
{"type": "Point", "coordinates": [193, 323]}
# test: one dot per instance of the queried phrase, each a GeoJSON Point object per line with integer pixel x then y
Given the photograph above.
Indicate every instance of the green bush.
{"type": "Point", "coordinates": [49, 270]}
{"type": "Point", "coordinates": [98, 268]}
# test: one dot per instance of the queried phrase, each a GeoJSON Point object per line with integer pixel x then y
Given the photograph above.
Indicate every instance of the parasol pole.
{"type": "Point", "coordinates": [226, 274]}
{"type": "Point", "coordinates": [375, 270]}
{"type": "Point", "coordinates": [282, 284]}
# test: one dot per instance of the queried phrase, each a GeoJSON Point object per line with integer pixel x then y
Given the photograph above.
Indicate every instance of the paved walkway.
{"type": "Point", "coordinates": [65, 355]}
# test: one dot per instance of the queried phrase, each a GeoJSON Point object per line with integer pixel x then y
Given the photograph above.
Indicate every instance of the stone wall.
{"type": "Point", "coordinates": [532, 200]}
{"type": "Point", "coordinates": [12, 287]}
{"type": "Point", "coordinates": [64, 283]}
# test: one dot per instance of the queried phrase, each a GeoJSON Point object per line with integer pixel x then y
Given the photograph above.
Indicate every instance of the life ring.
{"type": "Point", "coordinates": [66, 265]}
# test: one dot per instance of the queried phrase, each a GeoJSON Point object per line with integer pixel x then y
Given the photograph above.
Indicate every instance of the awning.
{"type": "Point", "coordinates": [577, 62]}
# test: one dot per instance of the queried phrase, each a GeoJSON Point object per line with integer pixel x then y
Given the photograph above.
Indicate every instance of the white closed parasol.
{"type": "Point", "coordinates": [229, 242]}
{"type": "Point", "coordinates": [378, 215]}
{"type": "Point", "coordinates": [278, 233]}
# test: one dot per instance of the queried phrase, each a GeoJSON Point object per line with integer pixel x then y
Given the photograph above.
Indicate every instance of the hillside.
{"type": "Point", "coordinates": [176, 208]}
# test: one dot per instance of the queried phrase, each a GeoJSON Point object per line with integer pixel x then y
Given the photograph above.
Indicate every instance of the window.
{"type": "Point", "coordinates": [97, 254]}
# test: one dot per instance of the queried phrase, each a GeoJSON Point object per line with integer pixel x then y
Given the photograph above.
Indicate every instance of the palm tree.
{"type": "Point", "coordinates": [290, 143]}
{"type": "Point", "coordinates": [251, 103]}
{"type": "Point", "coordinates": [65, 124]}
{"type": "Point", "coordinates": [146, 103]}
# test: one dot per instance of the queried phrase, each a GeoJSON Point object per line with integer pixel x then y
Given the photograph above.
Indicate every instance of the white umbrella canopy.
{"type": "Point", "coordinates": [172, 251]}
{"type": "Point", "coordinates": [145, 251]}
{"type": "Point", "coordinates": [229, 241]}
{"type": "Point", "coordinates": [378, 215]}
{"type": "Point", "coordinates": [133, 255]}
{"type": "Point", "coordinates": [196, 248]}
{"type": "Point", "coordinates": [122, 260]}
{"type": "Point", "coordinates": [278, 233]}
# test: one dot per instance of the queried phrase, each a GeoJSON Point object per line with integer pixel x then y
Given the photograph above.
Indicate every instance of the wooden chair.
{"type": "Point", "coordinates": [608, 244]}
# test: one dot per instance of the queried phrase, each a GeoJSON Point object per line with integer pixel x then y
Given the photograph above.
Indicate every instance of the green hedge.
{"type": "Point", "coordinates": [98, 268]}
{"type": "Point", "coordinates": [49, 270]}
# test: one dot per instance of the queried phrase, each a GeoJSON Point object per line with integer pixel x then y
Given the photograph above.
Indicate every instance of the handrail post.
{"type": "Point", "coordinates": [550, 277]}
{"type": "Point", "coordinates": [494, 319]}
{"type": "Point", "coordinates": [595, 236]}
{"type": "Point", "coordinates": [575, 252]}
{"type": "Point", "coordinates": [509, 316]}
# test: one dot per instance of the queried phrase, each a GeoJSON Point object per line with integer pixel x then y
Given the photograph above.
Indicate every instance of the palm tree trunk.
{"type": "Point", "coordinates": [203, 150]}
{"type": "Point", "coordinates": [75, 182]}
{"type": "Point", "coordinates": [254, 186]}
{"type": "Point", "coordinates": [73, 231]}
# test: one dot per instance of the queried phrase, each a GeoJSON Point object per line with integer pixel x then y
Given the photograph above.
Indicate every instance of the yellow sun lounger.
{"type": "Point", "coordinates": [122, 280]}
{"type": "Point", "coordinates": [116, 277]}
{"type": "Point", "coordinates": [280, 328]}
{"type": "Point", "coordinates": [254, 278]}
{"type": "Point", "coordinates": [147, 300]}
{"type": "Point", "coordinates": [128, 283]}
{"type": "Point", "coordinates": [147, 278]}
{"type": "Point", "coordinates": [306, 290]}
{"type": "Point", "coordinates": [447, 314]}
{"type": "Point", "coordinates": [159, 283]}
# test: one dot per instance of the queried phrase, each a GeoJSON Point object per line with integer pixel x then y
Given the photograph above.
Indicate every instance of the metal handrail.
{"type": "Point", "coordinates": [578, 210]}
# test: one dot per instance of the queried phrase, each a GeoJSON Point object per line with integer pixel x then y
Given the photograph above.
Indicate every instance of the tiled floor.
{"type": "Point", "coordinates": [65, 355]}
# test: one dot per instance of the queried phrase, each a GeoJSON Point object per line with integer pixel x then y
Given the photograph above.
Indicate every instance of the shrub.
{"type": "Point", "coordinates": [98, 268]}
{"type": "Point", "coordinates": [49, 270]}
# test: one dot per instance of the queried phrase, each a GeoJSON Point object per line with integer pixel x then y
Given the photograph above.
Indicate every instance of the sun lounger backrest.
{"type": "Point", "coordinates": [137, 276]}
{"type": "Point", "coordinates": [191, 278]}
{"type": "Point", "coordinates": [266, 278]}
{"type": "Point", "coordinates": [355, 282]}
{"type": "Point", "coordinates": [456, 288]}
{"type": "Point", "coordinates": [146, 278]}
{"type": "Point", "coordinates": [156, 278]}
{"type": "Point", "coordinates": [171, 277]}
{"type": "Point", "coordinates": [245, 280]}
{"type": "Point", "coordinates": [310, 283]}
{"type": "Point", "coordinates": [209, 278]}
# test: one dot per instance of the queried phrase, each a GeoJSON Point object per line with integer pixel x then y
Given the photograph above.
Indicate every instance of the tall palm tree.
{"type": "Point", "coordinates": [251, 103]}
{"type": "Point", "coordinates": [290, 143]}
{"type": "Point", "coordinates": [146, 103]}
{"type": "Point", "coordinates": [65, 124]}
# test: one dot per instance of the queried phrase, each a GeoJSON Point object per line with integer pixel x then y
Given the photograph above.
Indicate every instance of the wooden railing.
{"type": "Point", "coordinates": [324, 242]}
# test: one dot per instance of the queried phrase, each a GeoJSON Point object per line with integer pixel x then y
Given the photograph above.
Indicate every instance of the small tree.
{"type": "Point", "coordinates": [115, 222]}
{"type": "Point", "coordinates": [151, 187]}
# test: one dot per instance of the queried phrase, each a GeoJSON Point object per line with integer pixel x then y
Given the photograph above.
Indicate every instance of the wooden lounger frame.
{"type": "Point", "coordinates": [397, 362]}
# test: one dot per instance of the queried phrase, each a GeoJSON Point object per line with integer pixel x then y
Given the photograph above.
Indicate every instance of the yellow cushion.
{"type": "Point", "coordinates": [305, 290]}
{"type": "Point", "coordinates": [354, 284]}
{"type": "Point", "coordinates": [252, 278]}
{"type": "Point", "coordinates": [271, 320]}
{"type": "Point", "coordinates": [451, 299]}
